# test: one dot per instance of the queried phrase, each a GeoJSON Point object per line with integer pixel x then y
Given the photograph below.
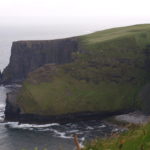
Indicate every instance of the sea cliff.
{"type": "Point", "coordinates": [27, 56]}
{"type": "Point", "coordinates": [106, 72]}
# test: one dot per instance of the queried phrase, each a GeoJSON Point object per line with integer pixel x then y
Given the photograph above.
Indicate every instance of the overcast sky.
{"type": "Point", "coordinates": [115, 12]}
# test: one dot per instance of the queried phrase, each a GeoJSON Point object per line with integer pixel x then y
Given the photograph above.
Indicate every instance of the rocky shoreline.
{"type": "Point", "coordinates": [135, 117]}
{"type": "Point", "coordinates": [12, 113]}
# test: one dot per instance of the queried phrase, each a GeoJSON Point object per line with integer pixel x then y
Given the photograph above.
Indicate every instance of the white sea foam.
{"type": "Point", "coordinates": [16, 125]}
{"type": "Point", "coordinates": [13, 86]}
{"type": "Point", "coordinates": [61, 134]}
{"type": "Point", "coordinates": [83, 139]}
{"type": "Point", "coordinates": [89, 128]}
{"type": "Point", "coordinates": [2, 109]}
{"type": "Point", "coordinates": [73, 131]}
{"type": "Point", "coordinates": [102, 126]}
{"type": "Point", "coordinates": [115, 130]}
{"type": "Point", "coordinates": [2, 106]}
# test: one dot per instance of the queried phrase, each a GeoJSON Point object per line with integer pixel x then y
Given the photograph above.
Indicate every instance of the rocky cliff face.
{"type": "Point", "coordinates": [12, 110]}
{"type": "Point", "coordinates": [0, 76]}
{"type": "Point", "coordinates": [27, 56]}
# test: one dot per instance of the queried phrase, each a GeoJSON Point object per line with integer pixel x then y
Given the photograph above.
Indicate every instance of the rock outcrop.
{"type": "Point", "coordinates": [0, 77]}
{"type": "Point", "coordinates": [12, 109]}
{"type": "Point", "coordinates": [27, 56]}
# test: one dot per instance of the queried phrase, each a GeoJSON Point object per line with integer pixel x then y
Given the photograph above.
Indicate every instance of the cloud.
{"type": "Point", "coordinates": [87, 12]}
{"type": "Point", "coordinates": [74, 8]}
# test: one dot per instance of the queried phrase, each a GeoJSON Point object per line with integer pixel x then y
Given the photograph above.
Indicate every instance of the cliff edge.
{"type": "Point", "coordinates": [26, 56]}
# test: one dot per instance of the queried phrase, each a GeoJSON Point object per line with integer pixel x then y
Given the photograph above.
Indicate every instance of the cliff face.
{"type": "Point", "coordinates": [0, 77]}
{"type": "Point", "coordinates": [27, 56]}
{"type": "Point", "coordinates": [12, 110]}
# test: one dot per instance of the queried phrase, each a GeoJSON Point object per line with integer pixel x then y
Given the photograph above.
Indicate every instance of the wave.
{"type": "Point", "coordinates": [62, 134]}
{"type": "Point", "coordinates": [2, 106]}
{"type": "Point", "coordinates": [2, 115]}
{"type": "Point", "coordinates": [13, 86]}
{"type": "Point", "coordinates": [16, 125]}
{"type": "Point", "coordinates": [45, 127]}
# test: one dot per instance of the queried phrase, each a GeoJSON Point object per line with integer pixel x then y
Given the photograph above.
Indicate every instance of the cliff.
{"type": "Point", "coordinates": [112, 74]}
{"type": "Point", "coordinates": [27, 56]}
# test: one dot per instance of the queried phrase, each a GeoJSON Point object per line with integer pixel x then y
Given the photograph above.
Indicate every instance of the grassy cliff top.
{"type": "Point", "coordinates": [135, 32]}
{"type": "Point", "coordinates": [109, 34]}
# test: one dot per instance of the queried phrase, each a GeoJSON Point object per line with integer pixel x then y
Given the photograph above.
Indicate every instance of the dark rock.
{"type": "Point", "coordinates": [73, 117]}
{"type": "Point", "coordinates": [0, 77]}
{"type": "Point", "coordinates": [26, 56]}
{"type": "Point", "coordinates": [144, 95]}
{"type": "Point", "coordinates": [12, 110]}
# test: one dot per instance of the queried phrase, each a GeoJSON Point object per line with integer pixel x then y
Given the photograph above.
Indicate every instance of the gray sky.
{"type": "Point", "coordinates": [104, 12]}
{"type": "Point", "coordinates": [51, 19]}
{"type": "Point", "coordinates": [74, 8]}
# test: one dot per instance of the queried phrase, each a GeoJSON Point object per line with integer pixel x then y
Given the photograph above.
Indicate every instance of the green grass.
{"type": "Point", "coordinates": [67, 95]}
{"type": "Point", "coordinates": [135, 139]}
{"type": "Point", "coordinates": [109, 74]}
{"type": "Point", "coordinates": [117, 33]}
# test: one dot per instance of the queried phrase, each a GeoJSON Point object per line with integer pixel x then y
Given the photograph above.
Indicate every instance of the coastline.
{"type": "Point", "coordinates": [12, 114]}
{"type": "Point", "coordinates": [135, 117]}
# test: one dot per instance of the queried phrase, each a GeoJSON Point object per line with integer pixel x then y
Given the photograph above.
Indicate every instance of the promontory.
{"type": "Point", "coordinates": [102, 73]}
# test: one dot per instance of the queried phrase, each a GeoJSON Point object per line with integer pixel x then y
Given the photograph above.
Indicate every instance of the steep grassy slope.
{"type": "Point", "coordinates": [110, 73]}
{"type": "Point", "coordinates": [135, 139]}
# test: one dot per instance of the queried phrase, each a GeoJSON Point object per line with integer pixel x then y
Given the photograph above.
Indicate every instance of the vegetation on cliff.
{"type": "Point", "coordinates": [110, 73]}
{"type": "Point", "coordinates": [136, 138]}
